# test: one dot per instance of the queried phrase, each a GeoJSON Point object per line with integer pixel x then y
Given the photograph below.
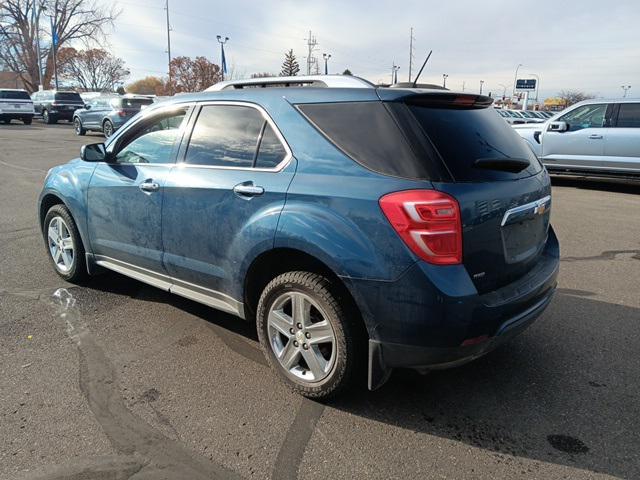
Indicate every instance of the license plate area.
{"type": "Point", "coordinates": [524, 230]}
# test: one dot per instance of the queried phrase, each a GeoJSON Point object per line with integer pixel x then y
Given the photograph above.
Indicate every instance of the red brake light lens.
{"type": "Point", "coordinates": [429, 223]}
{"type": "Point", "coordinates": [122, 113]}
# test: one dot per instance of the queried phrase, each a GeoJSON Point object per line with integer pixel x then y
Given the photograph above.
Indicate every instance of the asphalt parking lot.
{"type": "Point", "coordinates": [118, 380]}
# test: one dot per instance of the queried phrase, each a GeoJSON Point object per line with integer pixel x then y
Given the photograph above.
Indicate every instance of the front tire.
{"type": "Point", "coordinates": [64, 244]}
{"type": "Point", "coordinates": [305, 334]}
{"type": "Point", "coordinates": [77, 126]}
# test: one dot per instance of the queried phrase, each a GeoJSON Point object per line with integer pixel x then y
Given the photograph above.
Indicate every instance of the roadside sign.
{"type": "Point", "coordinates": [525, 85]}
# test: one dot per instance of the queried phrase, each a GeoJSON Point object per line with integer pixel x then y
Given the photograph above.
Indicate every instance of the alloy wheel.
{"type": "Point", "coordinates": [61, 245]}
{"type": "Point", "coordinates": [301, 337]}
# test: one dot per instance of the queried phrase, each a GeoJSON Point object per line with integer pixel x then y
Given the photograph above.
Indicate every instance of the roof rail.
{"type": "Point", "coordinates": [321, 81]}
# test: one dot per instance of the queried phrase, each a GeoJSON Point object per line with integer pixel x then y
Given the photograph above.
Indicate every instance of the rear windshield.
{"type": "Point", "coordinates": [135, 102]}
{"type": "Point", "coordinates": [13, 95]}
{"type": "Point", "coordinates": [462, 136]}
{"type": "Point", "coordinates": [68, 96]}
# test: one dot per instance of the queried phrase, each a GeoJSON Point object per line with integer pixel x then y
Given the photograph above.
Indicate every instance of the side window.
{"type": "Point", "coordinates": [587, 116]}
{"type": "Point", "coordinates": [629, 115]}
{"type": "Point", "coordinates": [225, 136]}
{"type": "Point", "coordinates": [270, 151]}
{"type": "Point", "coordinates": [153, 140]}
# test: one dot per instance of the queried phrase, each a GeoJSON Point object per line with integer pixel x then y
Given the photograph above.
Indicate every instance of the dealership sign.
{"type": "Point", "coordinates": [525, 85]}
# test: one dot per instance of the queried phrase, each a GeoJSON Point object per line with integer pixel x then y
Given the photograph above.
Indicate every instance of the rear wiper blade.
{"type": "Point", "coordinates": [513, 165]}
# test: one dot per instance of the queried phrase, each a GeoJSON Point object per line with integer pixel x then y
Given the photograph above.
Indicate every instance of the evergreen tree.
{"type": "Point", "coordinates": [347, 72]}
{"type": "Point", "coordinates": [290, 66]}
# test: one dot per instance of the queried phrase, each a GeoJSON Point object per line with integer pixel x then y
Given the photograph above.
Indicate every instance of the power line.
{"type": "Point", "coordinates": [311, 60]}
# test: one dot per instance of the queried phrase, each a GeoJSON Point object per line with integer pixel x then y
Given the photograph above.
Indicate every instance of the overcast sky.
{"type": "Point", "coordinates": [586, 45]}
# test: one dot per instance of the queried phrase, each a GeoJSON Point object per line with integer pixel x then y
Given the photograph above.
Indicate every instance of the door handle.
{"type": "Point", "coordinates": [595, 136]}
{"type": "Point", "coordinates": [248, 190]}
{"type": "Point", "coordinates": [149, 186]}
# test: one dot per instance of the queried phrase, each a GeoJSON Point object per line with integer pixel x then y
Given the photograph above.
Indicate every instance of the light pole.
{"type": "Point", "coordinates": [626, 88]}
{"type": "Point", "coordinates": [394, 73]}
{"type": "Point", "coordinates": [481, 83]}
{"type": "Point", "coordinates": [54, 46]}
{"type": "Point", "coordinates": [515, 78]}
{"type": "Point", "coordinates": [504, 90]}
{"type": "Point", "coordinates": [537, 84]}
{"type": "Point", "coordinates": [223, 61]}
{"type": "Point", "coordinates": [444, 80]}
{"type": "Point", "coordinates": [326, 60]}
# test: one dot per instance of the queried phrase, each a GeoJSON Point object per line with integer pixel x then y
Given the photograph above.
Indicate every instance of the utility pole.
{"type": "Point", "coordinates": [166, 7]}
{"type": "Point", "coordinates": [311, 44]}
{"type": "Point", "coordinates": [36, 15]}
{"type": "Point", "coordinates": [444, 80]}
{"type": "Point", "coordinates": [504, 90]}
{"type": "Point", "coordinates": [537, 83]}
{"type": "Point", "coordinates": [626, 88]}
{"type": "Point", "coordinates": [223, 60]}
{"type": "Point", "coordinates": [463, 84]}
{"type": "Point", "coordinates": [411, 39]}
{"type": "Point", "coordinates": [481, 83]}
{"type": "Point", "coordinates": [326, 59]}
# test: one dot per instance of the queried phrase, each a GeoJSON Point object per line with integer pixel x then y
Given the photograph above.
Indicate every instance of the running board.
{"type": "Point", "coordinates": [206, 296]}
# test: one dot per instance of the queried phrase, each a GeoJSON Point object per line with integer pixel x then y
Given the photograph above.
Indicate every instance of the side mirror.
{"type": "Point", "coordinates": [558, 127]}
{"type": "Point", "coordinates": [87, 107]}
{"type": "Point", "coordinates": [94, 152]}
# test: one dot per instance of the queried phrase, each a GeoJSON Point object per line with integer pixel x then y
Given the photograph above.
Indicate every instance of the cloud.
{"type": "Point", "coordinates": [589, 45]}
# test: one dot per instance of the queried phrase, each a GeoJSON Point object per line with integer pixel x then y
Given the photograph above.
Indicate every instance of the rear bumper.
{"type": "Point", "coordinates": [384, 356]}
{"type": "Point", "coordinates": [15, 115]}
{"type": "Point", "coordinates": [433, 317]}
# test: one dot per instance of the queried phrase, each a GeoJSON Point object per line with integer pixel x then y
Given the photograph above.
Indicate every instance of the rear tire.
{"type": "Point", "coordinates": [64, 245]}
{"type": "Point", "coordinates": [314, 351]}
{"type": "Point", "coordinates": [27, 121]}
{"type": "Point", "coordinates": [77, 126]}
{"type": "Point", "coordinates": [46, 118]}
{"type": "Point", "coordinates": [107, 128]}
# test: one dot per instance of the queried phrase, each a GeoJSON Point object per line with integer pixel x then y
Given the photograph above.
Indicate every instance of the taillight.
{"type": "Point", "coordinates": [122, 113]}
{"type": "Point", "coordinates": [429, 223]}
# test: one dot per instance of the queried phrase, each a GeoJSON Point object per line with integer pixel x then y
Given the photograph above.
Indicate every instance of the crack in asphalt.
{"type": "Point", "coordinates": [295, 443]}
{"type": "Point", "coordinates": [606, 255]}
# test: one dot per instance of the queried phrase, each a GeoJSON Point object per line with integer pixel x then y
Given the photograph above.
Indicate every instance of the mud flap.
{"type": "Point", "coordinates": [379, 373]}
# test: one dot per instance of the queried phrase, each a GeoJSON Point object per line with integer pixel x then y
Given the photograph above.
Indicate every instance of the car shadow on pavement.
{"type": "Point", "coordinates": [601, 184]}
{"type": "Point", "coordinates": [564, 392]}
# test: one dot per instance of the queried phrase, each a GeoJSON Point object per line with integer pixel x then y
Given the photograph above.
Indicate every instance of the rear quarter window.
{"type": "Point", "coordinates": [367, 133]}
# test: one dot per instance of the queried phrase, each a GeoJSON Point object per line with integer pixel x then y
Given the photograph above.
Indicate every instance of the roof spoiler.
{"type": "Point", "coordinates": [436, 98]}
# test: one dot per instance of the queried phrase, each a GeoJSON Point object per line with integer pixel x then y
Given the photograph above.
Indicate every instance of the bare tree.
{"type": "Point", "coordinates": [92, 69]}
{"type": "Point", "coordinates": [262, 75]}
{"type": "Point", "coordinates": [73, 20]}
{"type": "Point", "coordinates": [569, 97]}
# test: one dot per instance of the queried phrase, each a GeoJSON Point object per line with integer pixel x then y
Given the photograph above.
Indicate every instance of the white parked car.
{"type": "Point", "coordinates": [15, 104]}
{"type": "Point", "coordinates": [591, 137]}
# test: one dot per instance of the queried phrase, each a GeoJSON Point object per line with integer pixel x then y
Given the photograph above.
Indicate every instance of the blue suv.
{"type": "Point", "coordinates": [360, 228]}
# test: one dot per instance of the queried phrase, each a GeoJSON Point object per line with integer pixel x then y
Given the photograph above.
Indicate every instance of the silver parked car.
{"type": "Point", "coordinates": [594, 137]}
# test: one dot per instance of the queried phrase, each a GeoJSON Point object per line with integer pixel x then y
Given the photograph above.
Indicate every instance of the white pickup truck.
{"type": "Point", "coordinates": [15, 105]}
{"type": "Point", "coordinates": [600, 137]}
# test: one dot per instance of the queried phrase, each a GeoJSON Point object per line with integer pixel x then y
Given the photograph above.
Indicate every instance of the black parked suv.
{"type": "Point", "coordinates": [55, 105]}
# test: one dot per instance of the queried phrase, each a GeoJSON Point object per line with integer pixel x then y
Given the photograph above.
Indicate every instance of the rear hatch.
{"type": "Point", "coordinates": [503, 193]}
{"type": "Point", "coordinates": [15, 101]}
{"type": "Point", "coordinates": [68, 101]}
{"type": "Point", "coordinates": [131, 106]}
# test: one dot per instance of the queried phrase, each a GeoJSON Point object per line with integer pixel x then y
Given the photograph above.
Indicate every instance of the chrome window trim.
{"type": "Point", "coordinates": [144, 116]}
{"type": "Point", "coordinates": [521, 208]}
{"type": "Point", "coordinates": [238, 103]}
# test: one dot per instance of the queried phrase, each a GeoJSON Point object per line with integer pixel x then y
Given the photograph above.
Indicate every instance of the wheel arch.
{"type": "Point", "coordinates": [269, 264]}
